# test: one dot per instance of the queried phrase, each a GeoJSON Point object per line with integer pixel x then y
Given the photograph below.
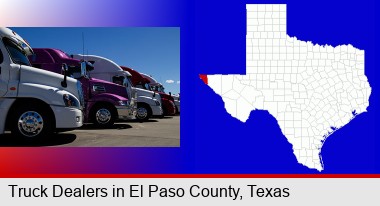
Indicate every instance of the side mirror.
{"type": "Point", "coordinates": [65, 70]}
{"type": "Point", "coordinates": [154, 93]}
{"type": "Point", "coordinates": [83, 70]}
{"type": "Point", "coordinates": [86, 66]}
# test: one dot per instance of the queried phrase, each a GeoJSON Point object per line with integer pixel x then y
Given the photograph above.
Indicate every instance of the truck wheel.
{"type": "Point", "coordinates": [31, 123]}
{"type": "Point", "coordinates": [143, 113]}
{"type": "Point", "coordinates": [104, 116]}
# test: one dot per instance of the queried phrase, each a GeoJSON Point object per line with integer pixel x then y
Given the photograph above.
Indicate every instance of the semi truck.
{"type": "Point", "coordinates": [34, 103]}
{"type": "Point", "coordinates": [172, 100]}
{"type": "Point", "coordinates": [105, 102]}
{"type": "Point", "coordinates": [143, 83]}
{"type": "Point", "coordinates": [148, 103]}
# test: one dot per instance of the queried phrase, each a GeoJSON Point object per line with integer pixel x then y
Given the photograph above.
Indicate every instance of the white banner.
{"type": "Point", "coordinates": [190, 191]}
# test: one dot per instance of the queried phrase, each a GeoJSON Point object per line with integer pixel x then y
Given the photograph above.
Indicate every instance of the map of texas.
{"type": "Point", "coordinates": [312, 90]}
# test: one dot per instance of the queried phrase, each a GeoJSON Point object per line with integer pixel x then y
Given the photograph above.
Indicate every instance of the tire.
{"type": "Point", "coordinates": [31, 123]}
{"type": "Point", "coordinates": [103, 116]}
{"type": "Point", "coordinates": [143, 112]}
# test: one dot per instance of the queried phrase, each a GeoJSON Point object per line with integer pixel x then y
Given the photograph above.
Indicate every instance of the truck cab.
{"type": "Point", "coordinates": [158, 87]}
{"type": "Point", "coordinates": [144, 96]}
{"type": "Point", "coordinates": [105, 102]}
{"type": "Point", "coordinates": [34, 103]}
{"type": "Point", "coordinates": [148, 103]}
{"type": "Point", "coordinates": [171, 106]}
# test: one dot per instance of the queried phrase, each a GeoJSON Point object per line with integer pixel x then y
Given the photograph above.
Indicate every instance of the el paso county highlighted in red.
{"type": "Point", "coordinates": [204, 78]}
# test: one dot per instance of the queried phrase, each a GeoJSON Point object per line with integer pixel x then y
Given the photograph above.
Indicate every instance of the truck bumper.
{"type": "Point", "coordinates": [126, 113]}
{"type": "Point", "coordinates": [67, 117]}
{"type": "Point", "coordinates": [156, 110]}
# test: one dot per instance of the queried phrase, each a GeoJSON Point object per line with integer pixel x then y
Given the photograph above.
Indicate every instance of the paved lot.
{"type": "Point", "coordinates": [163, 132]}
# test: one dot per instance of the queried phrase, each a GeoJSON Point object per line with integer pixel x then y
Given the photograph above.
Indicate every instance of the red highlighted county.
{"type": "Point", "coordinates": [204, 78]}
{"type": "Point", "coordinates": [312, 90]}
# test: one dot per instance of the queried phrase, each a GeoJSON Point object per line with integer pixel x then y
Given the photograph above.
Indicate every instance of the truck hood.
{"type": "Point", "coordinates": [146, 93]}
{"type": "Point", "coordinates": [95, 80]}
{"type": "Point", "coordinates": [166, 96]}
{"type": "Point", "coordinates": [38, 76]}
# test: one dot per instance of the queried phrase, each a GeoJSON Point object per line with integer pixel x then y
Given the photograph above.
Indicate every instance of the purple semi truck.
{"type": "Point", "coordinates": [105, 102]}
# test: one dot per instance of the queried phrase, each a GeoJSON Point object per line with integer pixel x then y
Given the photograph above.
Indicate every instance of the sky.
{"type": "Point", "coordinates": [151, 50]}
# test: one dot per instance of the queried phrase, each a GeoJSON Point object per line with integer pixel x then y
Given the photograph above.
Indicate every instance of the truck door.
{"type": "Point", "coordinates": [3, 75]}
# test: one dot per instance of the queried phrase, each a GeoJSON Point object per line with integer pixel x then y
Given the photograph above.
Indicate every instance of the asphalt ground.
{"type": "Point", "coordinates": [157, 132]}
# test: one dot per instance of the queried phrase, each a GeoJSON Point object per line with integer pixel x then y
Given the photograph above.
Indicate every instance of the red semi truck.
{"type": "Point", "coordinates": [141, 81]}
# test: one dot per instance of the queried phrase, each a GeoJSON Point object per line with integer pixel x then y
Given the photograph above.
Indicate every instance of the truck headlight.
{"type": "Point", "coordinates": [124, 103]}
{"type": "Point", "coordinates": [70, 101]}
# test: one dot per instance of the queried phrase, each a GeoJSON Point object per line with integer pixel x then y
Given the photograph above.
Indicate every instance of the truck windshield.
{"type": "Point", "coordinates": [128, 81]}
{"type": "Point", "coordinates": [16, 52]}
{"type": "Point", "coordinates": [75, 75]}
{"type": "Point", "coordinates": [120, 80]}
{"type": "Point", "coordinates": [158, 88]}
{"type": "Point", "coordinates": [162, 89]}
{"type": "Point", "coordinates": [75, 72]}
{"type": "Point", "coordinates": [147, 86]}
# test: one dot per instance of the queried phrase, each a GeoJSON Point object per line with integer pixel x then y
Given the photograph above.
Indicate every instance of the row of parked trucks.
{"type": "Point", "coordinates": [45, 90]}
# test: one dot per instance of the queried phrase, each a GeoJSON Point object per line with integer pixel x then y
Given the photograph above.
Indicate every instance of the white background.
{"type": "Point", "coordinates": [303, 191]}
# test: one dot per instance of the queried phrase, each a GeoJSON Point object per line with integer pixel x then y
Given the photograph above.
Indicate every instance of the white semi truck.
{"type": "Point", "coordinates": [158, 87]}
{"type": "Point", "coordinates": [34, 103]}
{"type": "Point", "coordinates": [148, 102]}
